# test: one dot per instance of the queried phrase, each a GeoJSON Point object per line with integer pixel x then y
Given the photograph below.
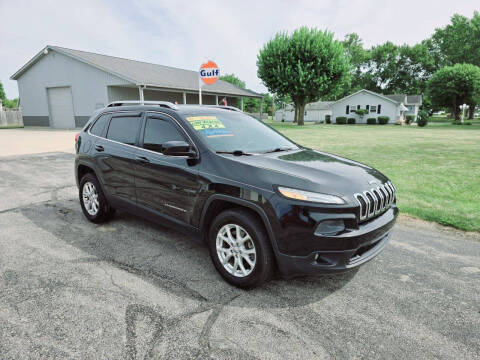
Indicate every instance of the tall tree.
{"type": "Point", "coordinates": [3, 96]}
{"type": "Point", "coordinates": [233, 79]}
{"type": "Point", "coordinates": [307, 65]}
{"type": "Point", "coordinates": [452, 86]}
{"type": "Point", "coordinates": [459, 42]}
{"type": "Point", "coordinates": [358, 57]}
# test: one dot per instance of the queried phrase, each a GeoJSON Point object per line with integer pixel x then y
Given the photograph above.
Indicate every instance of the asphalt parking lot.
{"type": "Point", "coordinates": [132, 289]}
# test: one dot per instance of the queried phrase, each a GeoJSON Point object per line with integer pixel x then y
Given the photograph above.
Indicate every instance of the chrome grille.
{"type": "Point", "coordinates": [376, 200]}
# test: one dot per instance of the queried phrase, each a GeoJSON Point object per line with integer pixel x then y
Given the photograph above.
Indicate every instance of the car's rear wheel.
{"type": "Point", "coordinates": [93, 201]}
{"type": "Point", "coordinates": [240, 249]}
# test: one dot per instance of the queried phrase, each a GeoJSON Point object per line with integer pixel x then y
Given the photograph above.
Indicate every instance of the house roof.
{"type": "Point", "coordinates": [401, 98]}
{"type": "Point", "coordinates": [319, 105]}
{"type": "Point", "coordinates": [370, 92]}
{"type": "Point", "coordinates": [407, 99]}
{"type": "Point", "coordinates": [142, 73]}
{"type": "Point", "coordinates": [414, 99]}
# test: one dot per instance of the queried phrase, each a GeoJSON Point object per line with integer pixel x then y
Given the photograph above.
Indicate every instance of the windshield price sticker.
{"type": "Point", "coordinates": [211, 133]}
{"type": "Point", "coordinates": [205, 122]}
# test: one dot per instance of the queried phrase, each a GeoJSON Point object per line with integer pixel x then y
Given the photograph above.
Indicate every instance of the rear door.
{"type": "Point", "coordinates": [165, 184]}
{"type": "Point", "coordinates": [114, 154]}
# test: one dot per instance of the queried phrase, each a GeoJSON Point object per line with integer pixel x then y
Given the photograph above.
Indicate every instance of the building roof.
{"type": "Point", "coordinates": [400, 98]}
{"type": "Point", "coordinates": [407, 99]}
{"type": "Point", "coordinates": [370, 92]}
{"type": "Point", "coordinates": [319, 105]}
{"type": "Point", "coordinates": [414, 99]}
{"type": "Point", "coordinates": [142, 73]}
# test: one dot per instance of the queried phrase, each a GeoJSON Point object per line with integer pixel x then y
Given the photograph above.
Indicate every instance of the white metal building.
{"type": "Point", "coordinates": [313, 112]}
{"type": "Point", "coordinates": [61, 87]}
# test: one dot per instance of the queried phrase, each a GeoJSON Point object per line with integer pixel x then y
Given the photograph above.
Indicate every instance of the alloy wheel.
{"type": "Point", "coordinates": [236, 250]}
{"type": "Point", "coordinates": [90, 198]}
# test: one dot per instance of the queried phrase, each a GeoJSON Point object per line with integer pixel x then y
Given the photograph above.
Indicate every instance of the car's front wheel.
{"type": "Point", "coordinates": [93, 201]}
{"type": "Point", "coordinates": [240, 249]}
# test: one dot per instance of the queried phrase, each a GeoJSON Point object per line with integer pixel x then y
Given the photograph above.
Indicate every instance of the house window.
{"type": "Point", "coordinates": [367, 107]}
{"type": "Point", "coordinates": [347, 110]}
{"type": "Point", "coordinates": [358, 107]}
{"type": "Point", "coordinates": [373, 109]}
{"type": "Point", "coordinates": [379, 109]}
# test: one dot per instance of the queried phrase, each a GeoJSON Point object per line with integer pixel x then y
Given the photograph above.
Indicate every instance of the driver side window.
{"type": "Point", "coordinates": [159, 131]}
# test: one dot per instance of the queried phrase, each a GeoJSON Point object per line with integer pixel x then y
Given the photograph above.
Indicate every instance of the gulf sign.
{"type": "Point", "coordinates": [209, 72]}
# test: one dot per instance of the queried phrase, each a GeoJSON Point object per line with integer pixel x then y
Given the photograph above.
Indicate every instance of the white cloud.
{"type": "Point", "coordinates": [185, 33]}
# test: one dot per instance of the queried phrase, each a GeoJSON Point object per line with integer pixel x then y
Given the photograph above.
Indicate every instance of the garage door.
{"type": "Point", "coordinates": [61, 108]}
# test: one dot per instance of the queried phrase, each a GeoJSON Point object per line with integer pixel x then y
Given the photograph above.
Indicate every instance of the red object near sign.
{"type": "Point", "coordinates": [209, 72]}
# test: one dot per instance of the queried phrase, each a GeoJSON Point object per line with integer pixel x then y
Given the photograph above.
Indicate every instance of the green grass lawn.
{"type": "Point", "coordinates": [443, 119]}
{"type": "Point", "coordinates": [436, 169]}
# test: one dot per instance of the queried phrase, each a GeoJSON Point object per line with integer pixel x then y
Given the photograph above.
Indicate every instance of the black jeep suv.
{"type": "Point", "coordinates": [261, 202]}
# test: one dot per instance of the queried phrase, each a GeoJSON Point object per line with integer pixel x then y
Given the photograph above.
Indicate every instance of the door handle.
{"type": "Point", "coordinates": [99, 148]}
{"type": "Point", "coordinates": [142, 159]}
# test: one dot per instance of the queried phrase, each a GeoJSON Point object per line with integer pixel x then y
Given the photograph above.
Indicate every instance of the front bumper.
{"type": "Point", "coordinates": [365, 243]}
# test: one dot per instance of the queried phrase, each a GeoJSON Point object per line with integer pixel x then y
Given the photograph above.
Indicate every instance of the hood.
{"type": "Point", "coordinates": [316, 171]}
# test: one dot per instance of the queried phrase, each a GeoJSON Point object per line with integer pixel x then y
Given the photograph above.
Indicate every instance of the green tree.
{"type": "Point", "coordinates": [358, 57]}
{"type": "Point", "coordinates": [452, 86]}
{"type": "Point", "coordinates": [459, 42]}
{"type": "Point", "coordinates": [233, 79]}
{"type": "Point", "coordinates": [307, 65]}
{"type": "Point", "coordinates": [3, 96]}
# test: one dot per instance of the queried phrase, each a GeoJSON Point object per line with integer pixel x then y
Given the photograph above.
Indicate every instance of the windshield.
{"type": "Point", "coordinates": [236, 131]}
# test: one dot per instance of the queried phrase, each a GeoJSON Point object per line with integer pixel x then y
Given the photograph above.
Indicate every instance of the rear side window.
{"type": "Point", "coordinates": [159, 131]}
{"type": "Point", "coordinates": [124, 129]}
{"type": "Point", "coordinates": [97, 128]}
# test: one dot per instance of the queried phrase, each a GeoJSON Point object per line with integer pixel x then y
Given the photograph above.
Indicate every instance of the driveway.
{"type": "Point", "coordinates": [35, 140]}
{"type": "Point", "coordinates": [136, 290]}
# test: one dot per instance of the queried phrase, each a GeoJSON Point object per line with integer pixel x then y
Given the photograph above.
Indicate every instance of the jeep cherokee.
{"type": "Point", "coordinates": [261, 202]}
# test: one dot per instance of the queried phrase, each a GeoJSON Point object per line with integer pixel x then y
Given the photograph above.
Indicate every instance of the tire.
{"type": "Point", "coordinates": [223, 250]}
{"type": "Point", "coordinates": [94, 204]}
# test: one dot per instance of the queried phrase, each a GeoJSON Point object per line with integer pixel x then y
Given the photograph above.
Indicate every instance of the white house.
{"type": "Point", "coordinates": [396, 107]}
{"type": "Point", "coordinates": [313, 112]}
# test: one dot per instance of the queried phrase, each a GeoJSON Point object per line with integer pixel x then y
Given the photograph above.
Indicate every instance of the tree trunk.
{"type": "Point", "coordinates": [301, 114]}
{"type": "Point", "coordinates": [471, 111]}
{"type": "Point", "coordinates": [456, 113]}
{"type": "Point", "coordinates": [295, 119]}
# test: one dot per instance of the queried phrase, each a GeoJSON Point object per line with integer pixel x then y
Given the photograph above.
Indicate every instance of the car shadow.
{"type": "Point", "coordinates": [168, 259]}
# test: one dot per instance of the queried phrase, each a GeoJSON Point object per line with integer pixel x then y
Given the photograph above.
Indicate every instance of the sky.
{"type": "Point", "coordinates": [185, 34]}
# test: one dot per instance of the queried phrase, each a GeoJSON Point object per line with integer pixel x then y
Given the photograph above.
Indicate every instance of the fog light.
{"type": "Point", "coordinates": [330, 227]}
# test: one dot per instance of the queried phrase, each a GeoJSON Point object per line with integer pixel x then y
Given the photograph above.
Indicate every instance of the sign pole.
{"type": "Point", "coordinates": [207, 74]}
{"type": "Point", "coordinates": [199, 90]}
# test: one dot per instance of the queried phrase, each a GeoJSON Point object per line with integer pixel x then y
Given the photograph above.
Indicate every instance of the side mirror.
{"type": "Point", "coordinates": [178, 148]}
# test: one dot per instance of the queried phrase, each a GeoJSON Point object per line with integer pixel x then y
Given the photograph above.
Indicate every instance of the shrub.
{"type": "Point", "coordinates": [409, 119]}
{"type": "Point", "coordinates": [382, 120]}
{"type": "Point", "coordinates": [422, 118]}
{"type": "Point", "coordinates": [341, 120]}
{"type": "Point", "coordinates": [351, 121]}
{"type": "Point", "coordinates": [328, 119]}
{"type": "Point", "coordinates": [371, 121]}
{"type": "Point", "coordinates": [458, 122]}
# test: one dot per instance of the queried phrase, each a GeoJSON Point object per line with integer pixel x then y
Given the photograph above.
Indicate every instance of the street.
{"type": "Point", "coordinates": [136, 290]}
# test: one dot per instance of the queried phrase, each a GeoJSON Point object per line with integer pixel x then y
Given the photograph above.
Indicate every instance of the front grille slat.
{"type": "Point", "coordinates": [375, 201]}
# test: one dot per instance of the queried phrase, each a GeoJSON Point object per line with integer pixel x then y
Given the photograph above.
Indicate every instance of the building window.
{"type": "Point", "coordinates": [358, 107]}
{"type": "Point", "coordinates": [373, 109]}
{"type": "Point", "coordinates": [347, 110]}
{"type": "Point", "coordinates": [379, 109]}
{"type": "Point", "coordinates": [367, 107]}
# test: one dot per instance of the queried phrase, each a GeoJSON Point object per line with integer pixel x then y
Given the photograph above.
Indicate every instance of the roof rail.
{"type": "Point", "coordinates": [165, 104]}
{"type": "Point", "coordinates": [232, 108]}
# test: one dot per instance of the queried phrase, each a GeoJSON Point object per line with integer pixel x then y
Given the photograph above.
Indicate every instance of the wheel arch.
{"type": "Point", "coordinates": [219, 202]}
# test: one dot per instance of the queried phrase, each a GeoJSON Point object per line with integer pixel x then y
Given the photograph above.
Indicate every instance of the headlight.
{"type": "Point", "coordinates": [310, 196]}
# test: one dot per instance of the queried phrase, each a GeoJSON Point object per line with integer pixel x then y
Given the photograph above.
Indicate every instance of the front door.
{"type": "Point", "coordinates": [115, 155]}
{"type": "Point", "coordinates": [165, 184]}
